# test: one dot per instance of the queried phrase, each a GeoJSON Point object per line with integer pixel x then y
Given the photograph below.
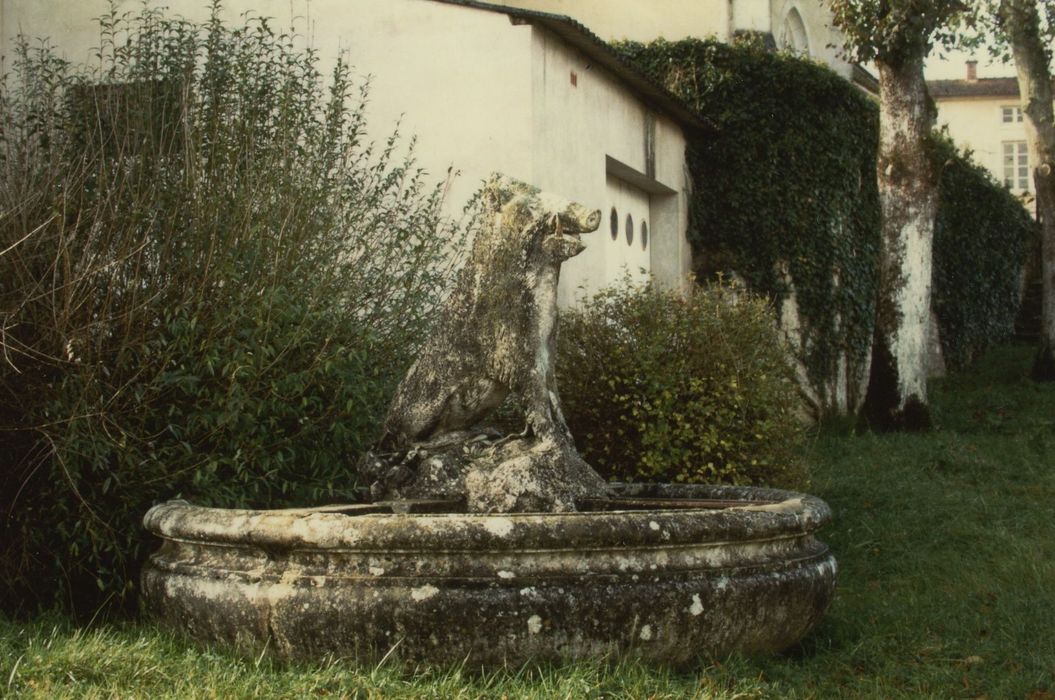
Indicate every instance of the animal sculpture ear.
{"type": "Point", "coordinates": [498, 191]}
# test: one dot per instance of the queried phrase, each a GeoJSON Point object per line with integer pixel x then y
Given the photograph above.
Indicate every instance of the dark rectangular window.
{"type": "Point", "coordinates": [122, 119]}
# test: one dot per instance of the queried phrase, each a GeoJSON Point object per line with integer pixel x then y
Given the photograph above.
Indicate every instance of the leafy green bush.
{"type": "Point", "coordinates": [660, 387]}
{"type": "Point", "coordinates": [981, 241]}
{"type": "Point", "coordinates": [209, 283]}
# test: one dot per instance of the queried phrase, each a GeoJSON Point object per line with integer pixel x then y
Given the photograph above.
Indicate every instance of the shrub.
{"type": "Point", "coordinates": [209, 282]}
{"type": "Point", "coordinates": [664, 388]}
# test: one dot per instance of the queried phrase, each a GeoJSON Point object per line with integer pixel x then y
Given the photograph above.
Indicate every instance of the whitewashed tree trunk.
{"type": "Point", "coordinates": [1022, 25]}
{"type": "Point", "coordinates": [908, 193]}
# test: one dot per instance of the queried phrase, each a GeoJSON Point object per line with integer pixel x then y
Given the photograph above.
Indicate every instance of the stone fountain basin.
{"type": "Point", "coordinates": [662, 572]}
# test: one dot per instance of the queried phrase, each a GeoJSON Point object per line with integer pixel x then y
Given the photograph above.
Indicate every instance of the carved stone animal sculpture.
{"type": "Point", "coordinates": [496, 332]}
{"type": "Point", "coordinates": [495, 337]}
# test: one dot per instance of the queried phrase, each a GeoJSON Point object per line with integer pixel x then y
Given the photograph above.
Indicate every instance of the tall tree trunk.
{"type": "Point", "coordinates": [1022, 25]}
{"type": "Point", "coordinates": [908, 193]}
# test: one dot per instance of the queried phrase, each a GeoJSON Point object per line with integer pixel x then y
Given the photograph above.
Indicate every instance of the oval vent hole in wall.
{"type": "Point", "coordinates": [614, 223]}
{"type": "Point", "coordinates": [644, 235]}
{"type": "Point", "coordinates": [629, 230]}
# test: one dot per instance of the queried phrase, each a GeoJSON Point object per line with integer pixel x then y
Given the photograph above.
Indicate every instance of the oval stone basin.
{"type": "Point", "coordinates": [663, 572]}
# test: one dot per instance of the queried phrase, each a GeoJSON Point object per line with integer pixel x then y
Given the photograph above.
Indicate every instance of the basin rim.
{"type": "Point", "coordinates": [766, 514]}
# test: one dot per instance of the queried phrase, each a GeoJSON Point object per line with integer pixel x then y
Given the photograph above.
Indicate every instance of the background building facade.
{"type": "Point", "coordinates": [984, 115]}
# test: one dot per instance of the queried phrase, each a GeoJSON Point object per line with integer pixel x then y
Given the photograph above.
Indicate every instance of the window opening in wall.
{"type": "Point", "coordinates": [614, 223]}
{"type": "Point", "coordinates": [120, 119]}
{"type": "Point", "coordinates": [1011, 115]}
{"type": "Point", "coordinates": [1016, 165]}
{"type": "Point", "coordinates": [629, 230]}
{"type": "Point", "coordinates": [644, 235]}
{"type": "Point", "coordinates": [793, 35]}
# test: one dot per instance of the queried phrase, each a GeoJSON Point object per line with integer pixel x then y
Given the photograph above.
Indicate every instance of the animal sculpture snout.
{"type": "Point", "coordinates": [578, 219]}
{"type": "Point", "coordinates": [592, 221]}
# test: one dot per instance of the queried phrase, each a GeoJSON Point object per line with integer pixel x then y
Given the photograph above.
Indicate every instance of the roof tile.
{"type": "Point", "coordinates": [983, 87]}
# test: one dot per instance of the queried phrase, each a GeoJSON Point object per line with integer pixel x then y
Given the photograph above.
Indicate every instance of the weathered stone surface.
{"type": "Point", "coordinates": [495, 336]}
{"type": "Point", "coordinates": [667, 583]}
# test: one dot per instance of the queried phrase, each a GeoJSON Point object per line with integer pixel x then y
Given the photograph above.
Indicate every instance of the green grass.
{"type": "Point", "coordinates": [946, 543]}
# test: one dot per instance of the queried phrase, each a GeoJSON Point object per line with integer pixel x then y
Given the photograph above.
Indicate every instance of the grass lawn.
{"type": "Point", "coordinates": [946, 543]}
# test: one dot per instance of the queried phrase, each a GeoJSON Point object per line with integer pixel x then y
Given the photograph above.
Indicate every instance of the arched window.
{"type": "Point", "coordinates": [793, 36]}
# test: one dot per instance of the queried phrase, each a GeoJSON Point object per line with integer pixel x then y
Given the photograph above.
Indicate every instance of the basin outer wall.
{"type": "Point", "coordinates": [665, 585]}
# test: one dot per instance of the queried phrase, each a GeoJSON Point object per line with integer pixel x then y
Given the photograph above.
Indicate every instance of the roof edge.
{"type": "Point", "coordinates": [863, 78]}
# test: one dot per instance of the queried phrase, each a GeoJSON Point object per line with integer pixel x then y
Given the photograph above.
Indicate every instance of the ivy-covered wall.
{"type": "Point", "coordinates": [982, 238]}
{"type": "Point", "coordinates": [784, 191]}
{"type": "Point", "coordinates": [785, 195]}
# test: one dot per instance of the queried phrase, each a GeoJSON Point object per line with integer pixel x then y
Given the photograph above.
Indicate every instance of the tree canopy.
{"type": "Point", "coordinates": [887, 30]}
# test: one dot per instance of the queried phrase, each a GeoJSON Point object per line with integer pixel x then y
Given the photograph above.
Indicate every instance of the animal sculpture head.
{"type": "Point", "coordinates": [542, 225]}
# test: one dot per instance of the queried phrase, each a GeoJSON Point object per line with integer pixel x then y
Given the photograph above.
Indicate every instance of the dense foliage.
{"type": "Point", "coordinates": [209, 281]}
{"type": "Point", "coordinates": [784, 189]}
{"type": "Point", "coordinates": [981, 242]}
{"type": "Point", "coordinates": [787, 184]}
{"type": "Point", "coordinates": [660, 387]}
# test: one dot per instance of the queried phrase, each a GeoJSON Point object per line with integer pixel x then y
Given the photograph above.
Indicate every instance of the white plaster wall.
{"type": "Point", "coordinates": [68, 24]}
{"type": "Point", "coordinates": [640, 20]}
{"type": "Point", "coordinates": [575, 129]}
{"type": "Point", "coordinates": [671, 252]}
{"type": "Point", "coordinates": [975, 123]}
{"type": "Point", "coordinates": [71, 25]}
{"type": "Point", "coordinates": [825, 40]}
{"type": "Point", "coordinates": [752, 15]}
{"type": "Point", "coordinates": [459, 78]}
